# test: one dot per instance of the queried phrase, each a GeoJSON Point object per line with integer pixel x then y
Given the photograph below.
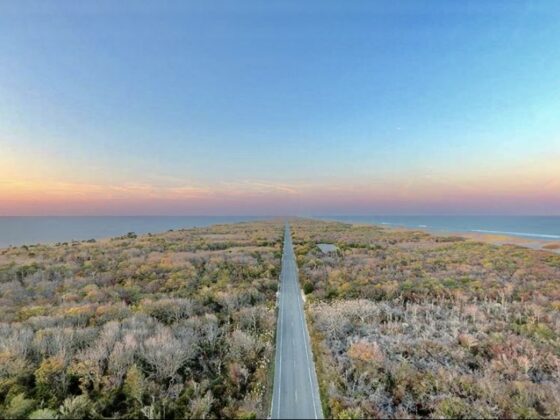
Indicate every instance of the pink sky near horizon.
{"type": "Point", "coordinates": [262, 198]}
{"type": "Point", "coordinates": [40, 188]}
{"type": "Point", "coordinates": [279, 109]}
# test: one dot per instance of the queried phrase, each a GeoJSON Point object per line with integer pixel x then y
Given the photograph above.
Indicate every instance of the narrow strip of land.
{"type": "Point", "coordinates": [296, 393]}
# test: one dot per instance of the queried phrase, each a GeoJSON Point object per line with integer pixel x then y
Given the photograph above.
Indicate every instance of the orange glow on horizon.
{"type": "Point", "coordinates": [533, 188]}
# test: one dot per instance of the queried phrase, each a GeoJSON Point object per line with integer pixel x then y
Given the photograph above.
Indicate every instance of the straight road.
{"type": "Point", "coordinates": [296, 393]}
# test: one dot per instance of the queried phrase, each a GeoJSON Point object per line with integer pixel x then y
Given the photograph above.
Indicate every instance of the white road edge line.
{"type": "Point", "coordinates": [308, 365]}
{"type": "Point", "coordinates": [304, 331]}
{"type": "Point", "coordinates": [286, 265]}
{"type": "Point", "coordinates": [281, 326]}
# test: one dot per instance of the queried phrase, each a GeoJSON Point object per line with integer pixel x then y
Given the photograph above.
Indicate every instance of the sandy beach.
{"type": "Point", "coordinates": [496, 239]}
{"type": "Point", "coordinates": [553, 246]}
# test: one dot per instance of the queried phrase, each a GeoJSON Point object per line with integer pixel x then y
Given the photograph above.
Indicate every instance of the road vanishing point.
{"type": "Point", "coordinates": [296, 390]}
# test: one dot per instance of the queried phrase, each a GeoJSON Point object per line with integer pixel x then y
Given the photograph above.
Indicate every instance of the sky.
{"type": "Point", "coordinates": [279, 108]}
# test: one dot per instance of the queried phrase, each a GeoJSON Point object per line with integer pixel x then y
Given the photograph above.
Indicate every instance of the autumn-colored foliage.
{"type": "Point", "coordinates": [406, 324]}
{"type": "Point", "coordinates": [179, 324]}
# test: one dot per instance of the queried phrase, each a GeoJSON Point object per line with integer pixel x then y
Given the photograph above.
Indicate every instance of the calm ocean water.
{"type": "Point", "coordinates": [32, 230]}
{"type": "Point", "coordinates": [533, 227]}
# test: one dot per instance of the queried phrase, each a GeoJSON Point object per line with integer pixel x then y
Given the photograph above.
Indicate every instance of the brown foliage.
{"type": "Point", "coordinates": [410, 325]}
{"type": "Point", "coordinates": [178, 324]}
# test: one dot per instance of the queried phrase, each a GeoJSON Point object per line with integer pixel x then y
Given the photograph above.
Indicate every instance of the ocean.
{"type": "Point", "coordinates": [33, 230]}
{"type": "Point", "coordinates": [531, 227]}
{"type": "Point", "coordinates": [16, 231]}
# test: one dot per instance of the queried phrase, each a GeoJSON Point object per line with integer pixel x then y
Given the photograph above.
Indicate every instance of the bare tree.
{"type": "Point", "coordinates": [165, 353]}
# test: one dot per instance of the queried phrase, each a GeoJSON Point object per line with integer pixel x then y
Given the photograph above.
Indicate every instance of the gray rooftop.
{"type": "Point", "coordinates": [327, 248]}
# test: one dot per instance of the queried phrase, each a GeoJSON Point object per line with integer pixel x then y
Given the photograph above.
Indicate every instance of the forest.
{"type": "Point", "coordinates": [182, 324]}
{"type": "Point", "coordinates": [408, 324]}
{"type": "Point", "coordinates": [179, 324]}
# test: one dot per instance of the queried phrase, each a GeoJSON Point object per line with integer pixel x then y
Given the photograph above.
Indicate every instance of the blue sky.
{"type": "Point", "coordinates": [293, 96]}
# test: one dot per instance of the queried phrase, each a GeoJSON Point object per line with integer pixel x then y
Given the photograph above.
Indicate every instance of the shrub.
{"type": "Point", "coordinates": [19, 407]}
{"type": "Point", "coordinates": [51, 378]}
{"type": "Point", "coordinates": [308, 287]}
{"type": "Point", "coordinates": [454, 408]}
{"type": "Point", "coordinates": [167, 310]}
{"type": "Point", "coordinates": [165, 354]}
{"type": "Point", "coordinates": [44, 413]}
{"type": "Point", "coordinates": [134, 385]}
{"type": "Point", "coordinates": [75, 407]}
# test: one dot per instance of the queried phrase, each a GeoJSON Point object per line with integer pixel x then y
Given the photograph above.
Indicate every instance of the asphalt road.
{"type": "Point", "coordinates": [296, 393]}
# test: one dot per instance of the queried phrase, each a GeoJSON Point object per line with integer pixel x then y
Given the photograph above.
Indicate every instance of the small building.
{"type": "Point", "coordinates": [328, 248]}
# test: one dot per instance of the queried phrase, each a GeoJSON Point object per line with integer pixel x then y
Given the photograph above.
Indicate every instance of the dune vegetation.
{"type": "Point", "coordinates": [179, 324]}
{"type": "Point", "coordinates": [406, 324]}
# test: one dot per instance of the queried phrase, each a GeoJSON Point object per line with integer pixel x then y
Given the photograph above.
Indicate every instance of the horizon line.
{"type": "Point", "coordinates": [289, 215]}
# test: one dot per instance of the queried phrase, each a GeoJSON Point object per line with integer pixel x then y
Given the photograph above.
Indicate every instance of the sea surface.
{"type": "Point", "coordinates": [33, 230]}
{"type": "Point", "coordinates": [531, 227]}
{"type": "Point", "coordinates": [16, 231]}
